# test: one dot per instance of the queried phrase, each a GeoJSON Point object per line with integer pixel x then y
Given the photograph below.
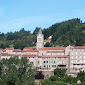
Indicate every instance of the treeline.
{"type": "Point", "coordinates": [19, 39]}
{"type": "Point", "coordinates": [15, 71]}
{"type": "Point", "coordinates": [71, 32]}
{"type": "Point", "coordinates": [68, 32]}
{"type": "Point", "coordinates": [61, 78]}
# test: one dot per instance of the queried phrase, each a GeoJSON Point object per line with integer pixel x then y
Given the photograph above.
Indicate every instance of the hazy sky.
{"type": "Point", "coordinates": [29, 14]}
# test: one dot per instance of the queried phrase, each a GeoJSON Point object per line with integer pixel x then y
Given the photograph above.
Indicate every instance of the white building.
{"type": "Point", "coordinates": [77, 59]}
{"type": "Point", "coordinates": [72, 58]}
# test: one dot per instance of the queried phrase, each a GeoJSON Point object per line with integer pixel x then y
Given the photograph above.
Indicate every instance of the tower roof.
{"type": "Point", "coordinates": [40, 31]}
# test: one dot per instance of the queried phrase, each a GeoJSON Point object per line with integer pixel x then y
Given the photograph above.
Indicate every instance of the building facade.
{"type": "Point", "coordinates": [77, 59]}
{"type": "Point", "coordinates": [71, 58]}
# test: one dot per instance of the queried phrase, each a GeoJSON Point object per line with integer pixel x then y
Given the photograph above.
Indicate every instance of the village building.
{"type": "Point", "coordinates": [72, 58]}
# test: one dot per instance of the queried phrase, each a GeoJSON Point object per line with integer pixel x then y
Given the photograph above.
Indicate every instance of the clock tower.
{"type": "Point", "coordinates": [40, 40]}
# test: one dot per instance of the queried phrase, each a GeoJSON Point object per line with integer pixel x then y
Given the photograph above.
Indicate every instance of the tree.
{"type": "Point", "coordinates": [48, 44]}
{"type": "Point", "coordinates": [81, 76]}
{"type": "Point", "coordinates": [59, 72]}
{"type": "Point", "coordinates": [67, 43]}
{"type": "Point", "coordinates": [36, 31]}
{"type": "Point", "coordinates": [17, 71]}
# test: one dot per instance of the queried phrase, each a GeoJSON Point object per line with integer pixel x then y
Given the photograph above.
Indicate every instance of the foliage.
{"type": "Point", "coordinates": [15, 71]}
{"type": "Point", "coordinates": [81, 76]}
{"type": "Point", "coordinates": [47, 82]}
{"type": "Point", "coordinates": [19, 39]}
{"type": "Point", "coordinates": [59, 72]}
{"type": "Point", "coordinates": [70, 79]}
{"type": "Point", "coordinates": [48, 44]}
{"type": "Point", "coordinates": [65, 79]}
{"type": "Point", "coordinates": [68, 32]}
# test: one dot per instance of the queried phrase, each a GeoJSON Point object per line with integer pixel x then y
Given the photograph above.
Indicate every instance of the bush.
{"type": "Point", "coordinates": [60, 72]}
{"type": "Point", "coordinates": [46, 82]}
{"type": "Point", "coordinates": [69, 79]}
{"type": "Point", "coordinates": [54, 78]}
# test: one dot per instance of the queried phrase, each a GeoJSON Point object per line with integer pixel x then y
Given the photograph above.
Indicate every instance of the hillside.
{"type": "Point", "coordinates": [68, 32]}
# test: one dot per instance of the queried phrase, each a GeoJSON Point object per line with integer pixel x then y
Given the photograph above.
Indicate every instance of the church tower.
{"type": "Point", "coordinates": [40, 40]}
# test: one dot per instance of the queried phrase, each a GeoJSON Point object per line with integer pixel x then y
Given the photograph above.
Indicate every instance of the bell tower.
{"type": "Point", "coordinates": [40, 40]}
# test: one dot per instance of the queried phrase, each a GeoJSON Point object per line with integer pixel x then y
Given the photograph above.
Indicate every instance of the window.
{"type": "Point", "coordinates": [42, 53]}
{"type": "Point", "coordinates": [54, 61]}
{"type": "Point", "coordinates": [47, 67]}
{"type": "Point", "coordinates": [43, 61]}
{"type": "Point", "coordinates": [44, 66]}
{"type": "Point", "coordinates": [38, 62]}
{"type": "Point", "coordinates": [53, 66]}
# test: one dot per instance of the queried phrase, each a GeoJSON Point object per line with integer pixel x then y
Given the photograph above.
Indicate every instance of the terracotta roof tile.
{"type": "Point", "coordinates": [4, 50]}
{"type": "Point", "coordinates": [57, 51]}
{"type": "Point", "coordinates": [17, 50]}
{"type": "Point", "coordinates": [6, 54]}
{"type": "Point", "coordinates": [31, 50]}
{"type": "Point", "coordinates": [14, 54]}
{"type": "Point", "coordinates": [9, 48]}
{"type": "Point", "coordinates": [47, 56]}
{"type": "Point", "coordinates": [52, 48]}
{"type": "Point", "coordinates": [29, 55]}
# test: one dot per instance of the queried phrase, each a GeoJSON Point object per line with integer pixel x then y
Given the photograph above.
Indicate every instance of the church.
{"type": "Point", "coordinates": [48, 58]}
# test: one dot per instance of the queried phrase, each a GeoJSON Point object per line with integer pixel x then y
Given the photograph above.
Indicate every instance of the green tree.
{"type": "Point", "coordinates": [17, 71]}
{"type": "Point", "coordinates": [59, 72]}
{"type": "Point", "coordinates": [48, 44]}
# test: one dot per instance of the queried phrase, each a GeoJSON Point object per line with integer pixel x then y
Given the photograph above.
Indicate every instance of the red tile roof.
{"type": "Point", "coordinates": [14, 54]}
{"type": "Point", "coordinates": [52, 48]}
{"type": "Point", "coordinates": [28, 55]}
{"type": "Point", "coordinates": [57, 51]}
{"type": "Point", "coordinates": [31, 50]}
{"type": "Point", "coordinates": [9, 48]}
{"type": "Point", "coordinates": [6, 54]}
{"type": "Point", "coordinates": [4, 50]}
{"type": "Point", "coordinates": [17, 50]}
{"type": "Point", "coordinates": [49, 56]}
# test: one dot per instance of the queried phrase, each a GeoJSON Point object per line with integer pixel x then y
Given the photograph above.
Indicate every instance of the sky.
{"type": "Point", "coordinates": [29, 14]}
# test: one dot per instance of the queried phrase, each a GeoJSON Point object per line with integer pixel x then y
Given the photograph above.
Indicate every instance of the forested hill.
{"type": "Point", "coordinates": [68, 32]}
{"type": "Point", "coordinates": [71, 32]}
